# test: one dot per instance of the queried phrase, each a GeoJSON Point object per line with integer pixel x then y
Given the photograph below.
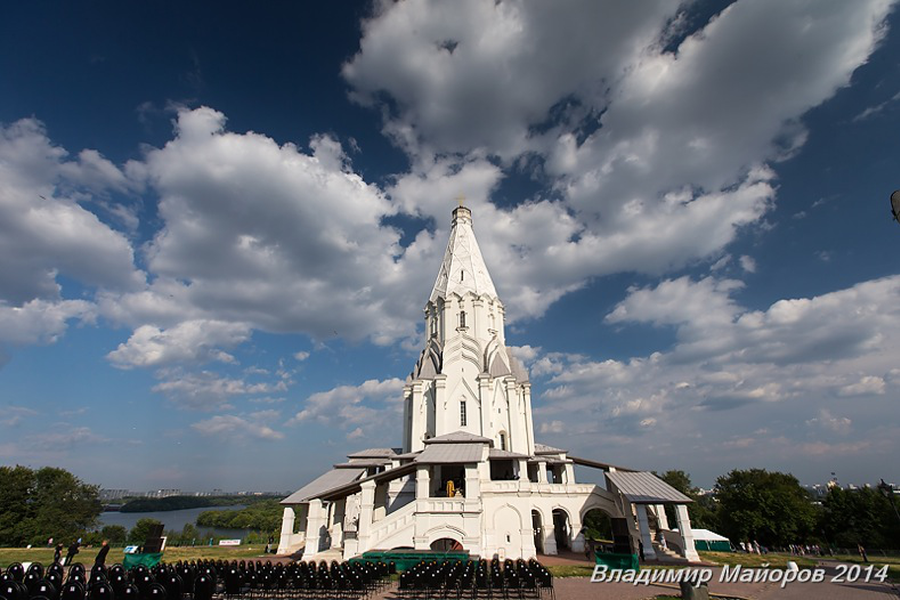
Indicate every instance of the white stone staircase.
{"type": "Point", "coordinates": [667, 554]}
{"type": "Point", "coordinates": [396, 529]}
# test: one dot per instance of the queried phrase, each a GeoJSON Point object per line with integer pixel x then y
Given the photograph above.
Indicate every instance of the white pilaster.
{"type": "Point", "coordinates": [529, 422]}
{"type": "Point", "coordinates": [473, 488]}
{"type": "Point", "coordinates": [366, 513]}
{"type": "Point", "coordinates": [315, 523]}
{"type": "Point", "coordinates": [423, 482]}
{"type": "Point", "coordinates": [337, 522]}
{"type": "Point", "coordinates": [287, 530]}
{"type": "Point", "coordinates": [443, 419]}
{"type": "Point", "coordinates": [662, 517]}
{"type": "Point", "coordinates": [484, 403]}
{"type": "Point", "coordinates": [644, 528]}
{"type": "Point", "coordinates": [687, 534]}
{"type": "Point", "coordinates": [569, 474]}
{"type": "Point", "coordinates": [550, 536]}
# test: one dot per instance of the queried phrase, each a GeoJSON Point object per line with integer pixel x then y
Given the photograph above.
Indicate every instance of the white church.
{"type": "Point", "coordinates": [470, 475]}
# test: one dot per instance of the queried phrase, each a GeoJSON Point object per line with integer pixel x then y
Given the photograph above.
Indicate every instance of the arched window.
{"type": "Point", "coordinates": [462, 413]}
{"type": "Point", "coordinates": [434, 326]}
{"type": "Point", "coordinates": [462, 318]}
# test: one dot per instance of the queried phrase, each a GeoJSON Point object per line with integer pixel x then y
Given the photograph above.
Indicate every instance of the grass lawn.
{"type": "Point", "coordinates": [588, 570]}
{"type": "Point", "coordinates": [571, 570]}
{"type": "Point", "coordinates": [893, 562]}
{"type": "Point", "coordinates": [780, 560]}
{"type": "Point", "coordinates": [172, 554]}
{"type": "Point", "coordinates": [772, 559]}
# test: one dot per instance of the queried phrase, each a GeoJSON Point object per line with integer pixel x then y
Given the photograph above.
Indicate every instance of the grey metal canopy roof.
{"type": "Point", "coordinates": [545, 449]}
{"type": "Point", "coordinates": [497, 454]}
{"type": "Point", "coordinates": [408, 455]}
{"type": "Point", "coordinates": [374, 453]}
{"type": "Point", "coordinates": [356, 463]}
{"type": "Point", "coordinates": [643, 487]}
{"type": "Point", "coordinates": [550, 460]}
{"type": "Point", "coordinates": [584, 462]}
{"type": "Point", "coordinates": [458, 437]}
{"type": "Point", "coordinates": [354, 486]}
{"type": "Point", "coordinates": [450, 453]}
{"type": "Point", "coordinates": [332, 479]}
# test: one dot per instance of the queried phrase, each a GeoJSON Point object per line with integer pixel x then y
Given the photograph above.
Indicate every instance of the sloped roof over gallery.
{"type": "Point", "coordinates": [329, 481]}
{"type": "Point", "coordinates": [643, 487]}
{"type": "Point", "coordinates": [458, 437]}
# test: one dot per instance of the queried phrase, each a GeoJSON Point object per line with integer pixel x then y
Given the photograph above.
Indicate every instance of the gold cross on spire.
{"type": "Point", "coordinates": [461, 199]}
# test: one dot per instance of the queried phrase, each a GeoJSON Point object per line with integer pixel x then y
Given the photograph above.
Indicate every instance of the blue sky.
{"type": "Point", "coordinates": [219, 224]}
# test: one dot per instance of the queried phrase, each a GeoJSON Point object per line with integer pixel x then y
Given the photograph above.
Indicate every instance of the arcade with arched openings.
{"type": "Point", "coordinates": [598, 531]}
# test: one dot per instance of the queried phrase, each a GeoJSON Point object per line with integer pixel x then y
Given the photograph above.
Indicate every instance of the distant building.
{"type": "Point", "coordinates": [108, 495]}
{"type": "Point", "coordinates": [470, 474]}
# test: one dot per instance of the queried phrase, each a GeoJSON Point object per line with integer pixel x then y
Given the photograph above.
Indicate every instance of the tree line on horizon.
{"type": "Point", "coordinates": [39, 504]}
{"type": "Point", "coordinates": [181, 502]}
{"type": "Point", "coordinates": [771, 508]}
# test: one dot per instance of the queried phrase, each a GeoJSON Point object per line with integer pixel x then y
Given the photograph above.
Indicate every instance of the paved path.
{"type": "Point", "coordinates": [583, 589]}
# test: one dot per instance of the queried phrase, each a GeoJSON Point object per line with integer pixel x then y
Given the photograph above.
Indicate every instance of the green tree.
{"type": "Point", "coordinates": [186, 537]}
{"type": "Point", "coordinates": [66, 507]}
{"type": "Point", "coordinates": [141, 530]}
{"type": "Point", "coordinates": [261, 516]}
{"type": "Point", "coordinates": [116, 534]}
{"type": "Point", "coordinates": [598, 525]}
{"type": "Point", "coordinates": [48, 502]}
{"type": "Point", "coordinates": [704, 509]}
{"type": "Point", "coordinates": [679, 480]}
{"type": "Point", "coordinates": [769, 507]}
{"type": "Point", "coordinates": [863, 516]}
{"type": "Point", "coordinates": [16, 507]}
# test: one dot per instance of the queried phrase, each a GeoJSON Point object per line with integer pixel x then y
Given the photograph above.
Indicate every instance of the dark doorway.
{"type": "Point", "coordinates": [446, 545]}
{"type": "Point", "coordinates": [538, 525]}
{"type": "Point", "coordinates": [561, 530]}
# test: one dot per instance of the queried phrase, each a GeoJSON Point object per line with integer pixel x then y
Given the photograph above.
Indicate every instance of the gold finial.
{"type": "Point", "coordinates": [461, 199]}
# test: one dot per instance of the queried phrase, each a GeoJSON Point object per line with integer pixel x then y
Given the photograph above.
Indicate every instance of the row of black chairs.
{"type": "Point", "coordinates": [350, 580]}
{"type": "Point", "coordinates": [477, 579]}
{"type": "Point", "coordinates": [196, 580]}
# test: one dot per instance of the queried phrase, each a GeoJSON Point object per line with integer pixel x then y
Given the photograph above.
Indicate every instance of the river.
{"type": "Point", "coordinates": [174, 520]}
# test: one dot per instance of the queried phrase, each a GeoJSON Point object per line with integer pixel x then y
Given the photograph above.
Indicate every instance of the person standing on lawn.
{"type": "Point", "coordinates": [101, 556]}
{"type": "Point", "coordinates": [70, 555]}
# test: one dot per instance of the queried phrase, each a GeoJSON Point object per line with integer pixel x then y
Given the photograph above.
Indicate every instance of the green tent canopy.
{"type": "Point", "coordinates": [150, 559]}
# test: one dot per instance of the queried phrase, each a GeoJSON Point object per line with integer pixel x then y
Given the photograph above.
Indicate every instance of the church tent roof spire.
{"type": "Point", "coordinates": [463, 269]}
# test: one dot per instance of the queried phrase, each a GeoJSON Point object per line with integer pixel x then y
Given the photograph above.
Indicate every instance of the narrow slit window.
{"type": "Point", "coordinates": [462, 413]}
{"type": "Point", "coordinates": [462, 318]}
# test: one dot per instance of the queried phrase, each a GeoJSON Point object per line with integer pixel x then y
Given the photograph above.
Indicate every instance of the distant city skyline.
{"type": "Point", "coordinates": [220, 222]}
